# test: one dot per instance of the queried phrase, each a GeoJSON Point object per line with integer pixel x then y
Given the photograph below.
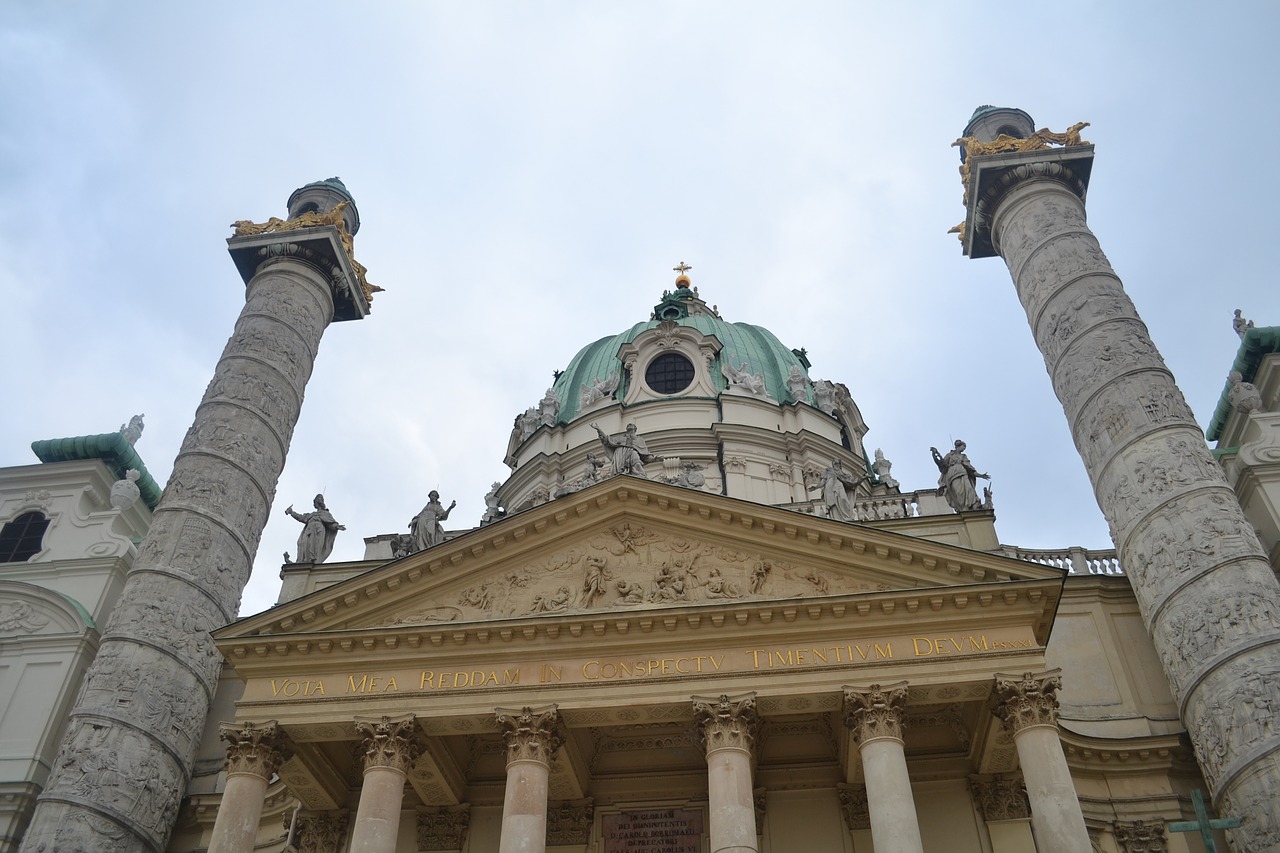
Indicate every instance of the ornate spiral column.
{"type": "Point", "coordinates": [131, 739]}
{"type": "Point", "coordinates": [389, 748]}
{"type": "Point", "coordinates": [1028, 706]}
{"type": "Point", "coordinates": [874, 717]}
{"type": "Point", "coordinates": [254, 753]}
{"type": "Point", "coordinates": [727, 726]}
{"type": "Point", "coordinates": [1186, 544]}
{"type": "Point", "coordinates": [533, 735]}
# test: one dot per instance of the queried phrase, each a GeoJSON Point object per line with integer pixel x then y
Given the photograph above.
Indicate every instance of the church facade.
{"type": "Point", "coordinates": [706, 619]}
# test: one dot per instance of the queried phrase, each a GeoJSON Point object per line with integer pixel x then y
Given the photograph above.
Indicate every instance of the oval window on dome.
{"type": "Point", "coordinates": [669, 373]}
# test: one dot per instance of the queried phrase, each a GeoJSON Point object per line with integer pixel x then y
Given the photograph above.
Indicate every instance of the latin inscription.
{"type": "Point", "coordinates": [653, 831]}
{"type": "Point", "coordinates": [625, 669]}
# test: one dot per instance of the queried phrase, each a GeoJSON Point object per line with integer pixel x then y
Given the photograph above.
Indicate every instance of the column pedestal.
{"type": "Point", "coordinates": [252, 756]}
{"type": "Point", "coordinates": [390, 747]}
{"type": "Point", "coordinates": [727, 725]}
{"type": "Point", "coordinates": [874, 717]}
{"type": "Point", "coordinates": [532, 735]}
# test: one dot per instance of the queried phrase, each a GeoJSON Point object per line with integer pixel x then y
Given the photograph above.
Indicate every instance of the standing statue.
{"type": "Point", "coordinates": [425, 527]}
{"type": "Point", "coordinates": [132, 431]}
{"type": "Point", "coordinates": [958, 479]}
{"type": "Point", "coordinates": [1240, 324]}
{"type": "Point", "coordinates": [882, 467]}
{"type": "Point", "coordinates": [319, 529]}
{"type": "Point", "coordinates": [836, 486]}
{"type": "Point", "coordinates": [629, 451]}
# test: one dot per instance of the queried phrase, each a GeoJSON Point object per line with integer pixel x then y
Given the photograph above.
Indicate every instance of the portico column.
{"type": "Point", "coordinates": [727, 725]}
{"type": "Point", "coordinates": [874, 717]}
{"type": "Point", "coordinates": [1028, 705]}
{"type": "Point", "coordinates": [389, 748]}
{"type": "Point", "coordinates": [532, 735]}
{"type": "Point", "coordinates": [254, 753]}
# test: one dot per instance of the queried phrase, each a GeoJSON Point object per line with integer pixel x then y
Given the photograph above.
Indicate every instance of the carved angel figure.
{"type": "Point", "coordinates": [742, 377]}
{"type": "Point", "coordinates": [132, 431]}
{"type": "Point", "coordinates": [597, 389]}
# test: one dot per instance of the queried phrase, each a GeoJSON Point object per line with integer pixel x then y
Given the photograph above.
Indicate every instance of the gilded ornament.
{"type": "Point", "coordinates": [1005, 144]}
{"type": "Point", "coordinates": [311, 219]}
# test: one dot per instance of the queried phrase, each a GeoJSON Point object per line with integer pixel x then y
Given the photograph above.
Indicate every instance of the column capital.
{"type": "Point", "coordinates": [316, 831]}
{"type": "Point", "coordinates": [257, 750]}
{"type": "Point", "coordinates": [570, 821]}
{"type": "Point", "coordinates": [875, 711]}
{"type": "Point", "coordinates": [1000, 797]}
{"type": "Point", "coordinates": [389, 742]}
{"type": "Point", "coordinates": [854, 806]}
{"type": "Point", "coordinates": [726, 722]}
{"type": "Point", "coordinates": [532, 734]}
{"type": "Point", "coordinates": [1140, 836]}
{"type": "Point", "coordinates": [1027, 700]}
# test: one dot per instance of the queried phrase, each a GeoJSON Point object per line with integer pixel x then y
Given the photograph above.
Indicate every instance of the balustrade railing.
{"type": "Point", "coordinates": [1077, 561]}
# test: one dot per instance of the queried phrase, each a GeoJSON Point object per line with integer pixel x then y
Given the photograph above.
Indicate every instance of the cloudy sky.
{"type": "Point", "coordinates": [528, 173]}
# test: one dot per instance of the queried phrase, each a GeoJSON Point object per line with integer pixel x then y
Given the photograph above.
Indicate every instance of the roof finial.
{"type": "Point", "coordinates": [682, 268]}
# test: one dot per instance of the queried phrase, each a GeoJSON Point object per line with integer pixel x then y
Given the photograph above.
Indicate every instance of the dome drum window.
{"type": "Point", "coordinates": [670, 359]}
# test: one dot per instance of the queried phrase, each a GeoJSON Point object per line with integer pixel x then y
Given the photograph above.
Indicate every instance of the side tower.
{"type": "Point", "coordinates": [131, 737]}
{"type": "Point", "coordinates": [1176, 522]}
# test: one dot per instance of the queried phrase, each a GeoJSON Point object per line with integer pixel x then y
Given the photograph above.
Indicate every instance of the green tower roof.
{"type": "Point", "coordinates": [1256, 344]}
{"type": "Point", "coordinates": [111, 448]}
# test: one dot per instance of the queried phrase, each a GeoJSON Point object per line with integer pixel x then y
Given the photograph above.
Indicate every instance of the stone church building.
{"type": "Point", "coordinates": [699, 616]}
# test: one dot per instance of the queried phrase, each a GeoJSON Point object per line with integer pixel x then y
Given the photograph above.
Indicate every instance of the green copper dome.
{"type": "Point", "coordinates": [755, 345]}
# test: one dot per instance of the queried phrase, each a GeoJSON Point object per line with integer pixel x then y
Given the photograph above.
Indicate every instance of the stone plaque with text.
{"type": "Point", "coordinates": [667, 830]}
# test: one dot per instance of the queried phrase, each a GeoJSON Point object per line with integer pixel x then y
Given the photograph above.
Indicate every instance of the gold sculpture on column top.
{"type": "Point", "coordinates": [1005, 144]}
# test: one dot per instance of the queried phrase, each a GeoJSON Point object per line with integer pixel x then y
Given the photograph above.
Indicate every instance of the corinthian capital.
{"type": "Point", "coordinates": [1030, 699]}
{"type": "Point", "coordinates": [316, 831]}
{"type": "Point", "coordinates": [726, 722]}
{"type": "Point", "coordinates": [258, 750]}
{"type": "Point", "coordinates": [390, 742]}
{"type": "Point", "coordinates": [532, 734]}
{"type": "Point", "coordinates": [875, 711]}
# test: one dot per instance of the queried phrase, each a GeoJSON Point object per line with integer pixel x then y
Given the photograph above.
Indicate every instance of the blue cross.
{"type": "Point", "coordinates": [1203, 824]}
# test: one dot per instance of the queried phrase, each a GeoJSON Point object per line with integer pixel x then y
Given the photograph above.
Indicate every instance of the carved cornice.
{"type": "Point", "coordinates": [257, 750]}
{"type": "Point", "coordinates": [569, 821]}
{"type": "Point", "coordinates": [1140, 836]}
{"type": "Point", "coordinates": [444, 828]}
{"type": "Point", "coordinates": [726, 722]}
{"type": "Point", "coordinates": [854, 807]}
{"type": "Point", "coordinates": [875, 711]}
{"type": "Point", "coordinates": [389, 742]}
{"type": "Point", "coordinates": [1028, 700]}
{"type": "Point", "coordinates": [1000, 797]}
{"type": "Point", "coordinates": [316, 831]}
{"type": "Point", "coordinates": [531, 734]}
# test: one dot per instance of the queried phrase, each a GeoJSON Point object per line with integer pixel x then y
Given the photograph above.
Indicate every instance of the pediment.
{"type": "Point", "coordinates": [629, 545]}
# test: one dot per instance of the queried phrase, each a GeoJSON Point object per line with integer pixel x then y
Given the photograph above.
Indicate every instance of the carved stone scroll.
{"type": "Point", "coordinates": [726, 722]}
{"type": "Point", "coordinates": [531, 734]}
{"type": "Point", "coordinates": [391, 742]}
{"type": "Point", "coordinates": [1028, 700]}
{"type": "Point", "coordinates": [875, 711]}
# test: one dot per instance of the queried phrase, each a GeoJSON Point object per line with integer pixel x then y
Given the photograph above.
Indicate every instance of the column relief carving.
{"type": "Point", "coordinates": [316, 831]}
{"type": "Point", "coordinates": [443, 828]}
{"type": "Point", "coordinates": [726, 722]}
{"type": "Point", "coordinates": [569, 821]}
{"type": "Point", "coordinates": [875, 711]}
{"type": "Point", "coordinates": [390, 742]}
{"type": "Point", "coordinates": [1000, 797]}
{"type": "Point", "coordinates": [853, 805]}
{"type": "Point", "coordinates": [531, 734]}
{"type": "Point", "coordinates": [1140, 836]}
{"type": "Point", "coordinates": [257, 750]}
{"type": "Point", "coordinates": [1028, 700]}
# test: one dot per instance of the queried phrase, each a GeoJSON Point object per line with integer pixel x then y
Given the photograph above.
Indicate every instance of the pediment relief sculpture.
{"type": "Point", "coordinates": [629, 566]}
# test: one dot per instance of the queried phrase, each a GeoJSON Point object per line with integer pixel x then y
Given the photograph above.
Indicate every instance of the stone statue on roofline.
{"type": "Point", "coordinates": [319, 530]}
{"type": "Point", "coordinates": [132, 431]}
{"type": "Point", "coordinates": [549, 407]}
{"type": "Point", "coordinates": [425, 527]}
{"type": "Point", "coordinates": [957, 478]}
{"type": "Point", "coordinates": [1240, 324]}
{"type": "Point", "coordinates": [492, 512]}
{"type": "Point", "coordinates": [837, 488]}
{"type": "Point", "coordinates": [627, 450]}
{"type": "Point", "coordinates": [598, 389]}
{"type": "Point", "coordinates": [742, 379]}
{"type": "Point", "coordinates": [882, 467]}
{"type": "Point", "coordinates": [798, 384]}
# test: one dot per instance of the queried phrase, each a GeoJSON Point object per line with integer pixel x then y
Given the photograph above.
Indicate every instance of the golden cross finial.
{"type": "Point", "coordinates": [682, 268]}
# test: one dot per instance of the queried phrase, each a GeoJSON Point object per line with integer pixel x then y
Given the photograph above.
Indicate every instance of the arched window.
{"type": "Point", "coordinates": [22, 538]}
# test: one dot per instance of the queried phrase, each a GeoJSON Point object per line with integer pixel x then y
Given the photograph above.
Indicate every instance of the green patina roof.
{"type": "Point", "coordinates": [742, 342]}
{"type": "Point", "coordinates": [111, 448]}
{"type": "Point", "coordinates": [1257, 344]}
